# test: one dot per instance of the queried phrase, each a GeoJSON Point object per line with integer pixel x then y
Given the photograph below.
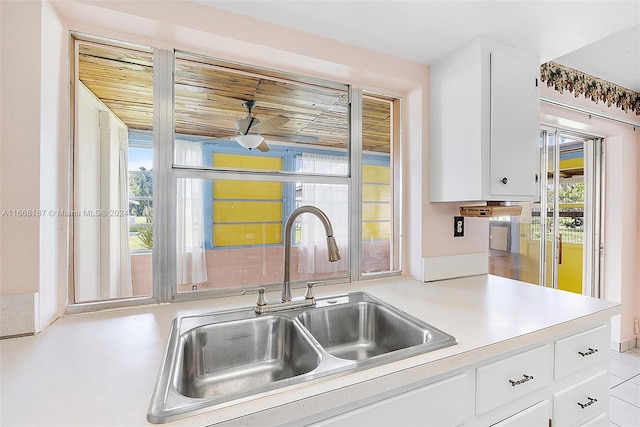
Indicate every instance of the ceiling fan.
{"type": "Point", "coordinates": [249, 129]}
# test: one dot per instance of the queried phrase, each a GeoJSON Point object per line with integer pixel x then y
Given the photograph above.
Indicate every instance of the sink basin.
{"type": "Point", "coordinates": [362, 330]}
{"type": "Point", "coordinates": [219, 357]}
{"type": "Point", "coordinates": [233, 357]}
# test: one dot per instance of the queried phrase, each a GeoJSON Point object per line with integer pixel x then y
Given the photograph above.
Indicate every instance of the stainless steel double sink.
{"type": "Point", "coordinates": [219, 357]}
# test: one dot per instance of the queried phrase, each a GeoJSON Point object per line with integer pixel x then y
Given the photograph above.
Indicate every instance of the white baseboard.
{"type": "Point", "coordinates": [18, 315]}
{"type": "Point", "coordinates": [621, 347]}
{"type": "Point", "coordinates": [454, 266]}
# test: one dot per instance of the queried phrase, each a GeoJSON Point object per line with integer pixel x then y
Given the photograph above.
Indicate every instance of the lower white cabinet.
{"type": "Point", "coordinates": [551, 381]}
{"type": "Point", "coordinates": [537, 415]}
{"type": "Point", "coordinates": [436, 404]}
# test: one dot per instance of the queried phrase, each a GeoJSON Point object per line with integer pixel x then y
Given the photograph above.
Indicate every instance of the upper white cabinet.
{"type": "Point", "coordinates": [485, 124]}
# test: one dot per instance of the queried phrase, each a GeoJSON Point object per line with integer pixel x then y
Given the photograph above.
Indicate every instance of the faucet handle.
{"type": "Point", "coordinates": [309, 293]}
{"type": "Point", "coordinates": [262, 300]}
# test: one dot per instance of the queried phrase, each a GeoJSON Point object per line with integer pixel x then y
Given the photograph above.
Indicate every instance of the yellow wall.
{"type": "Point", "coordinates": [569, 272]}
{"type": "Point", "coordinates": [376, 202]}
{"type": "Point", "coordinates": [247, 212]}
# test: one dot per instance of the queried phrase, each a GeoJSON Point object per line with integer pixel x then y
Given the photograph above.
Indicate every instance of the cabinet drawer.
{"type": "Point", "coordinates": [582, 402]}
{"type": "Point", "coordinates": [537, 415]}
{"type": "Point", "coordinates": [508, 379]}
{"type": "Point", "coordinates": [439, 404]}
{"type": "Point", "coordinates": [580, 351]}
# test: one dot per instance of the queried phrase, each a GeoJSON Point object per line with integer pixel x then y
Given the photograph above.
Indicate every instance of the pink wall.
{"type": "Point", "coordinates": [20, 145]}
{"type": "Point", "coordinates": [33, 133]}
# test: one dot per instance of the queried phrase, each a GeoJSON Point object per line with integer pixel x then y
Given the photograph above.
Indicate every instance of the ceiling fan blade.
{"type": "Point", "coordinates": [269, 125]}
{"type": "Point", "coordinates": [303, 139]}
{"type": "Point", "coordinates": [247, 124]}
{"type": "Point", "coordinates": [264, 147]}
{"type": "Point", "coordinates": [222, 138]}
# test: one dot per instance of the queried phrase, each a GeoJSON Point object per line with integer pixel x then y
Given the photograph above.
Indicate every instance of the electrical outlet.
{"type": "Point", "coordinates": [636, 326]}
{"type": "Point", "coordinates": [458, 226]}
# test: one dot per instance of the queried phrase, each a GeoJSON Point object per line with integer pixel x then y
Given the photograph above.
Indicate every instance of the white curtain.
{"type": "Point", "coordinates": [333, 200]}
{"type": "Point", "coordinates": [191, 257]}
{"type": "Point", "coordinates": [125, 288]}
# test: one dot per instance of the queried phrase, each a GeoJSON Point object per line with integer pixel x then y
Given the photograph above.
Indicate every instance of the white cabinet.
{"type": "Point", "coordinates": [485, 124]}
{"type": "Point", "coordinates": [548, 380]}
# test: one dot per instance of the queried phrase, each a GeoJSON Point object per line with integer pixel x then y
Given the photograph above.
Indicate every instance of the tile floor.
{"type": "Point", "coordinates": [625, 388]}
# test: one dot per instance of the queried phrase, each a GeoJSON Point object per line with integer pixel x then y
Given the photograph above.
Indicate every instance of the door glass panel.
{"type": "Point", "coordinates": [571, 200]}
{"type": "Point", "coordinates": [557, 220]}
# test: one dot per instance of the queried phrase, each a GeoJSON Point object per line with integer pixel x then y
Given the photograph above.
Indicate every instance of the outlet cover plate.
{"type": "Point", "coordinates": [458, 226]}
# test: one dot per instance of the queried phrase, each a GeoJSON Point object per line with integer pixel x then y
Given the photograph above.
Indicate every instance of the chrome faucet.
{"type": "Point", "coordinates": [308, 300]}
{"type": "Point", "coordinates": [332, 246]}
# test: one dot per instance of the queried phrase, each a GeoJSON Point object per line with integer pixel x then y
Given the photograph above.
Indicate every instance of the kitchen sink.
{"type": "Point", "coordinates": [223, 359]}
{"type": "Point", "coordinates": [219, 357]}
{"type": "Point", "coordinates": [361, 330]}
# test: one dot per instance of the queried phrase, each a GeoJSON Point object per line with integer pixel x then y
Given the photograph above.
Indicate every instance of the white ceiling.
{"type": "Point", "coordinates": [594, 36]}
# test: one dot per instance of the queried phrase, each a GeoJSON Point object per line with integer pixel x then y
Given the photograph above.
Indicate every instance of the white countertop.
{"type": "Point", "coordinates": [99, 369]}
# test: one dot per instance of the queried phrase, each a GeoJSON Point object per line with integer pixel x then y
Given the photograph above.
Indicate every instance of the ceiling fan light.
{"type": "Point", "coordinates": [249, 141]}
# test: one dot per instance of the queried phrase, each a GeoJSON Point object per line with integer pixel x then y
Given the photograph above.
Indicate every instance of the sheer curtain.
{"type": "Point", "coordinates": [333, 200]}
{"type": "Point", "coordinates": [191, 257]}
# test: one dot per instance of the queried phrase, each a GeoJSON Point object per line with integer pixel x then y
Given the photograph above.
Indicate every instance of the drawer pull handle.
{"type": "Point", "coordinates": [523, 380]}
{"type": "Point", "coordinates": [587, 353]}
{"type": "Point", "coordinates": [590, 402]}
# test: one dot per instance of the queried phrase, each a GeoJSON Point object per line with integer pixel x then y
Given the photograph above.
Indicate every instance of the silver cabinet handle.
{"type": "Point", "coordinates": [587, 353]}
{"type": "Point", "coordinates": [521, 381]}
{"type": "Point", "coordinates": [590, 402]}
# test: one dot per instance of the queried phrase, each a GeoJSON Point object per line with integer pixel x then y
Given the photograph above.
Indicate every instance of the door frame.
{"type": "Point", "coordinates": [593, 240]}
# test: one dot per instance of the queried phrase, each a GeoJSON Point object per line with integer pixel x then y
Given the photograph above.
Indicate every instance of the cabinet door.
{"type": "Point", "coordinates": [439, 404]}
{"type": "Point", "coordinates": [515, 124]}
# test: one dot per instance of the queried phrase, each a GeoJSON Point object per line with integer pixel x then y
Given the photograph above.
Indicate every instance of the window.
{"type": "Point", "coordinates": [248, 194]}
{"type": "Point", "coordinates": [206, 192]}
{"type": "Point", "coordinates": [380, 202]}
{"type": "Point", "coordinates": [113, 186]}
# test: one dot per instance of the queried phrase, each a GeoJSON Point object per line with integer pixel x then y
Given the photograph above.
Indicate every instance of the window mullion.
{"type": "Point", "coordinates": [355, 171]}
{"type": "Point", "coordinates": [164, 259]}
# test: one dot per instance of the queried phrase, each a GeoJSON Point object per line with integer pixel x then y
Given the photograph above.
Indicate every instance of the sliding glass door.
{"type": "Point", "coordinates": [563, 227]}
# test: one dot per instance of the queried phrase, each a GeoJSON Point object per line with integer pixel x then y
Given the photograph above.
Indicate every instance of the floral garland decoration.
{"type": "Point", "coordinates": [564, 78]}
